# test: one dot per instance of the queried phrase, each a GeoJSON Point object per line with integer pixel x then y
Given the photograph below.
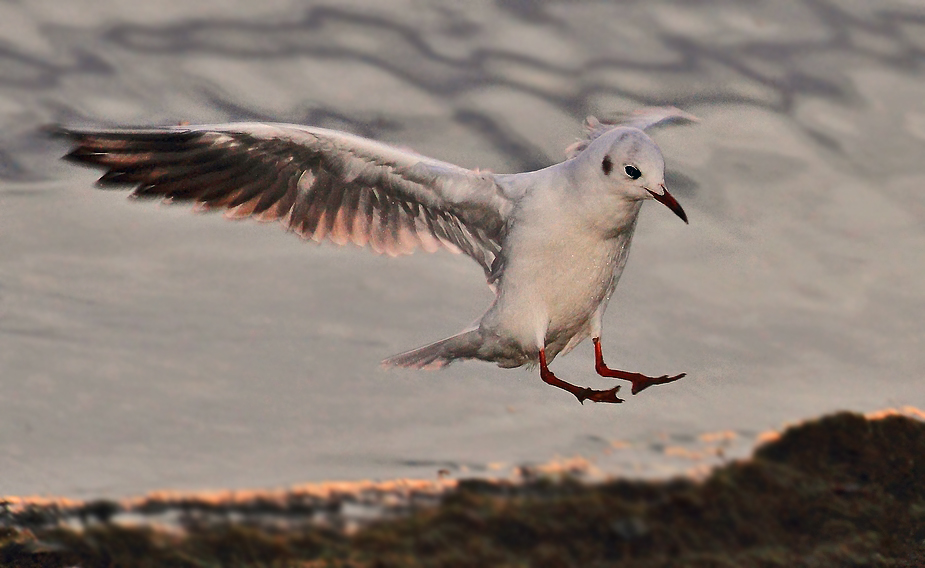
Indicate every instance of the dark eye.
{"type": "Point", "coordinates": [607, 165]}
{"type": "Point", "coordinates": [632, 171]}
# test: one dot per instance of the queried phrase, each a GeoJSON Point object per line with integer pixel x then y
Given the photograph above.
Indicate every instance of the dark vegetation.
{"type": "Point", "coordinates": [839, 491]}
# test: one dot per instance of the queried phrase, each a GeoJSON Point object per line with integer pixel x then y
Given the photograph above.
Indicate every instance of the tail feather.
{"type": "Point", "coordinates": [440, 353]}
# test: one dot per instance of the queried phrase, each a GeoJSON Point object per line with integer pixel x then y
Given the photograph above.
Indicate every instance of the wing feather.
{"type": "Point", "coordinates": [643, 119]}
{"type": "Point", "coordinates": [321, 184]}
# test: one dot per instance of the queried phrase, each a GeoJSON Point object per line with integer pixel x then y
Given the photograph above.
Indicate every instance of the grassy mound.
{"type": "Point", "coordinates": [839, 491]}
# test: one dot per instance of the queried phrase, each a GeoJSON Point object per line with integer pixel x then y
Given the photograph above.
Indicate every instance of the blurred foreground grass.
{"type": "Point", "coordinates": [842, 490]}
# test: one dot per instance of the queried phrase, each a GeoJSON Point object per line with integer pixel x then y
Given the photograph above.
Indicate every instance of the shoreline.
{"type": "Point", "coordinates": [838, 489]}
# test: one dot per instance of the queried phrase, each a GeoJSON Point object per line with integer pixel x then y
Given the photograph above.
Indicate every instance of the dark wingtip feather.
{"type": "Point", "coordinates": [56, 131]}
{"type": "Point", "coordinates": [82, 155]}
{"type": "Point", "coordinates": [117, 178]}
{"type": "Point", "coordinates": [146, 134]}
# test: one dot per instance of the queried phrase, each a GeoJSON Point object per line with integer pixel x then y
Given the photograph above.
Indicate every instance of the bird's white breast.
{"type": "Point", "coordinates": [561, 265]}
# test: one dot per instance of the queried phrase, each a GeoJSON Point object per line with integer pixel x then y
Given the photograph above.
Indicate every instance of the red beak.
{"type": "Point", "coordinates": [668, 201]}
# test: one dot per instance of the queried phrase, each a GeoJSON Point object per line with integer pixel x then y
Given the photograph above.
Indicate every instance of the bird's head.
{"type": "Point", "coordinates": [631, 164]}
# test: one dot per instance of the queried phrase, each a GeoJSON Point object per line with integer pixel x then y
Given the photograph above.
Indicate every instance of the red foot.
{"type": "Point", "coordinates": [640, 381]}
{"type": "Point", "coordinates": [581, 393]}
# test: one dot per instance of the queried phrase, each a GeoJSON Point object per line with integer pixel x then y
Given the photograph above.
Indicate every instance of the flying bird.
{"type": "Point", "coordinates": [553, 242]}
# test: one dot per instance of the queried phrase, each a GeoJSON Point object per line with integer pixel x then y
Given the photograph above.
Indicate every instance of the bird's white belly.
{"type": "Point", "coordinates": [551, 289]}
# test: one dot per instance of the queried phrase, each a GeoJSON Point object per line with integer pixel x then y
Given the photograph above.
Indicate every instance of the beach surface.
{"type": "Point", "coordinates": [147, 348]}
{"type": "Point", "coordinates": [842, 490]}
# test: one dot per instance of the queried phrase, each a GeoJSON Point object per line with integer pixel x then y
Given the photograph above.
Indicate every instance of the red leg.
{"type": "Point", "coordinates": [581, 393]}
{"type": "Point", "coordinates": [640, 381]}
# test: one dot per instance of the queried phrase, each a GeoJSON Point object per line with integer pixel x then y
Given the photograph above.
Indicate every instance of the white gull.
{"type": "Point", "coordinates": [553, 243]}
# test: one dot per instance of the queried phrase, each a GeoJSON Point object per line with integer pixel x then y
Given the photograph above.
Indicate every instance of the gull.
{"type": "Point", "coordinates": [552, 242]}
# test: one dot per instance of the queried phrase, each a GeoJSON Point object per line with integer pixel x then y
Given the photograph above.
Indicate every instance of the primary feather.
{"type": "Point", "coordinates": [321, 184]}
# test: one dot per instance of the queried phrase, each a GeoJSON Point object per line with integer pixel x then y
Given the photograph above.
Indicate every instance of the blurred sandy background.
{"type": "Point", "coordinates": [143, 347]}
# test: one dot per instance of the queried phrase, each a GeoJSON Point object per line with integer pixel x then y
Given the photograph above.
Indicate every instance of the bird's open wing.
{"type": "Point", "coordinates": [319, 183]}
{"type": "Point", "coordinates": [642, 119]}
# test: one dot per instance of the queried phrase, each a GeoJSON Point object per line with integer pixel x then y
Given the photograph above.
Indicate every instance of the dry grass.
{"type": "Point", "coordinates": [840, 491]}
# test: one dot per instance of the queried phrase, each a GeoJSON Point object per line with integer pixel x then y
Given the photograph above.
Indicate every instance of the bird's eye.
{"type": "Point", "coordinates": [632, 171]}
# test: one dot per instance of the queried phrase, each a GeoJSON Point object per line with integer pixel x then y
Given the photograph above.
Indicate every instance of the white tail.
{"type": "Point", "coordinates": [440, 353]}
